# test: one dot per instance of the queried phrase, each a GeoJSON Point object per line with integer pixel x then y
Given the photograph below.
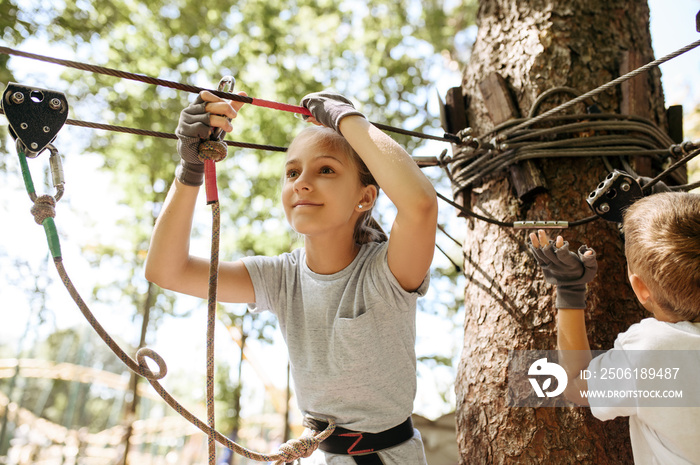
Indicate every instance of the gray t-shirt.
{"type": "Point", "coordinates": [351, 335]}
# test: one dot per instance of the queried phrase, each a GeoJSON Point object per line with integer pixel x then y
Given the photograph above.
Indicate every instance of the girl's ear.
{"type": "Point", "coordinates": [369, 195]}
{"type": "Point", "coordinates": [640, 289]}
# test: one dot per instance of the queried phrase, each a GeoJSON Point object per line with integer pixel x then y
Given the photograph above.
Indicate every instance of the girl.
{"type": "Point", "coordinates": [346, 301]}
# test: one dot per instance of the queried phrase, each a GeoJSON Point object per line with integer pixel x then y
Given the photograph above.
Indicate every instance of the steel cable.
{"type": "Point", "coordinates": [195, 89]}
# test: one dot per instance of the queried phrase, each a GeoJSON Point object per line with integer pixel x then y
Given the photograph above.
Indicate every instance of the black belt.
{"type": "Point", "coordinates": [361, 446]}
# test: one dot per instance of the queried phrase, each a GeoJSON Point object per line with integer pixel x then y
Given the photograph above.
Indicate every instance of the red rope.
{"type": "Point", "coordinates": [194, 89]}
{"type": "Point", "coordinates": [155, 81]}
{"type": "Point", "coordinates": [281, 106]}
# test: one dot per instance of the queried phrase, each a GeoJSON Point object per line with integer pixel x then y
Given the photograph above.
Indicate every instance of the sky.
{"type": "Point", "coordinates": [82, 222]}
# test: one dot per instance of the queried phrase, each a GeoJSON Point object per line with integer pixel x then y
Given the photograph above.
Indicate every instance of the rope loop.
{"type": "Point", "coordinates": [44, 207]}
{"type": "Point", "coordinates": [145, 371]}
{"type": "Point", "coordinates": [212, 150]}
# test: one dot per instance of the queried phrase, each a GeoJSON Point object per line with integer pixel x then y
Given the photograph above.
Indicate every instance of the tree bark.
{"type": "Point", "coordinates": [537, 45]}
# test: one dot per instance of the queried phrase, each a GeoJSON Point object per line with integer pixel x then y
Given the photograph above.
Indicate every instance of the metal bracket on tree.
{"type": "Point", "coordinates": [614, 195]}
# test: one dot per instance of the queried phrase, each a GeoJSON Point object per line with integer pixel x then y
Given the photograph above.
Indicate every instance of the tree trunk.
{"type": "Point", "coordinates": [536, 45]}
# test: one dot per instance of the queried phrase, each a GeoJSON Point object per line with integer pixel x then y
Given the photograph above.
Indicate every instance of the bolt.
{"type": "Point", "coordinates": [35, 145]}
{"type": "Point", "coordinates": [24, 125]}
{"type": "Point", "coordinates": [464, 132]}
{"type": "Point", "coordinates": [605, 208]}
{"type": "Point", "coordinates": [47, 129]}
{"type": "Point", "coordinates": [55, 104]}
{"type": "Point", "coordinates": [17, 97]}
{"type": "Point", "coordinates": [625, 186]}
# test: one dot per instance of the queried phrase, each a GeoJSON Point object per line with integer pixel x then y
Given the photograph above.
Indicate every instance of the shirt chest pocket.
{"type": "Point", "coordinates": [356, 342]}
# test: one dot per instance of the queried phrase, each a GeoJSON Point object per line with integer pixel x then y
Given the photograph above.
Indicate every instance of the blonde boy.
{"type": "Point", "coordinates": [662, 245]}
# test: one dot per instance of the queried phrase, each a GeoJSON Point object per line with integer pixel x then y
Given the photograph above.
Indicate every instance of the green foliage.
{"type": "Point", "coordinates": [382, 54]}
{"type": "Point", "coordinates": [376, 52]}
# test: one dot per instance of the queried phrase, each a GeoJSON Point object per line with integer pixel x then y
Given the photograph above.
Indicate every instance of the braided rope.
{"type": "Point", "coordinates": [212, 150]}
{"type": "Point", "coordinates": [44, 212]}
{"type": "Point", "coordinates": [211, 320]}
{"type": "Point", "coordinates": [44, 207]}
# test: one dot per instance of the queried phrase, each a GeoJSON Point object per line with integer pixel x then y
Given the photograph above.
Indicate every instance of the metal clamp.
{"type": "Point", "coordinates": [611, 198]}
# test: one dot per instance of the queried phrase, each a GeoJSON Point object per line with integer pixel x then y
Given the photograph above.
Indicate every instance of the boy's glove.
{"type": "Point", "coordinates": [191, 129]}
{"type": "Point", "coordinates": [329, 108]}
{"type": "Point", "coordinates": [568, 271]}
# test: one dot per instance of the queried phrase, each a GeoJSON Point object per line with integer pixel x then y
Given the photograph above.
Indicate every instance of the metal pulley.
{"type": "Point", "coordinates": [35, 115]}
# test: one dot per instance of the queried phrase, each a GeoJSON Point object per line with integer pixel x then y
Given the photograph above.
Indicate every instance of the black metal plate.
{"type": "Point", "coordinates": [35, 115]}
{"type": "Point", "coordinates": [614, 195]}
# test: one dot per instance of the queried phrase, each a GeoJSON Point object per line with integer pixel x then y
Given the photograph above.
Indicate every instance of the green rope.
{"type": "Point", "coordinates": [43, 208]}
{"type": "Point", "coordinates": [52, 237]}
{"type": "Point", "coordinates": [26, 175]}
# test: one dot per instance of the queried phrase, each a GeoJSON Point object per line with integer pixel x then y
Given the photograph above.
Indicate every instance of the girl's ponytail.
{"type": "Point", "coordinates": [367, 229]}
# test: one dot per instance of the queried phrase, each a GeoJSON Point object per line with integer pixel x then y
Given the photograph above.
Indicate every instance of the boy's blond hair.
{"type": "Point", "coordinates": [662, 245]}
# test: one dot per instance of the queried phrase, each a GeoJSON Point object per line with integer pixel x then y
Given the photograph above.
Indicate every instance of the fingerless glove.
{"type": "Point", "coordinates": [568, 271]}
{"type": "Point", "coordinates": [329, 108]}
{"type": "Point", "coordinates": [192, 127]}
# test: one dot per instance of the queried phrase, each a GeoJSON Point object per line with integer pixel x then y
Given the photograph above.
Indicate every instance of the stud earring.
{"type": "Point", "coordinates": [359, 206]}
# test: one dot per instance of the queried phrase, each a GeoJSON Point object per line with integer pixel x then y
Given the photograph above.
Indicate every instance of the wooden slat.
{"type": "Point", "coordinates": [525, 177]}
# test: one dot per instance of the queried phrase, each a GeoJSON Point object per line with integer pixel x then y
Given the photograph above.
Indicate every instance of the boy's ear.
{"type": "Point", "coordinates": [640, 289]}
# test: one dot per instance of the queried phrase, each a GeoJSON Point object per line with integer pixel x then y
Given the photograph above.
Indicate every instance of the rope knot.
{"type": "Point", "coordinates": [298, 448]}
{"type": "Point", "coordinates": [44, 207]}
{"type": "Point", "coordinates": [212, 150]}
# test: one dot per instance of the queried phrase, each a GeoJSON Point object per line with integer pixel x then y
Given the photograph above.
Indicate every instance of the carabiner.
{"type": "Point", "coordinates": [225, 85]}
{"type": "Point", "coordinates": [55, 166]}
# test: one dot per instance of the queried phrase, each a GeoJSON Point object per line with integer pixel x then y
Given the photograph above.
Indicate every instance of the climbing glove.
{"type": "Point", "coordinates": [329, 108]}
{"type": "Point", "coordinates": [568, 271]}
{"type": "Point", "coordinates": [192, 127]}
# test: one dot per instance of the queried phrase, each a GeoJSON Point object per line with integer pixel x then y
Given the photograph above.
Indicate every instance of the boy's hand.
{"type": "Point", "coordinates": [196, 122]}
{"type": "Point", "coordinates": [567, 270]}
{"type": "Point", "coordinates": [328, 108]}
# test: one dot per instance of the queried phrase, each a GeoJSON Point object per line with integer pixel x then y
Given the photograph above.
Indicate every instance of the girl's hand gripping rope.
{"type": "Point", "coordinates": [328, 108]}
{"type": "Point", "coordinates": [567, 270]}
{"type": "Point", "coordinates": [196, 124]}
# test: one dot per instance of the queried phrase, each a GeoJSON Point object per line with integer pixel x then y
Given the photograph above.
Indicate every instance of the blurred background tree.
{"type": "Point", "coordinates": [385, 55]}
